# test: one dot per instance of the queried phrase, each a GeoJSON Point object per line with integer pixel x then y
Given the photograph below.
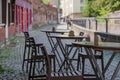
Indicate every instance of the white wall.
{"type": "Point", "coordinates": [67, 7]}
{"type": "Point", "coordinates": [71, 6]}
{"type": "Point", "coordinates": [76, 6]}
{"type": "Point", "coordinates": [0, 11]}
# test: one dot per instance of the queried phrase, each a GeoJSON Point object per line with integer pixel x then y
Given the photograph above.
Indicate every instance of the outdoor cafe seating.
{"type": "Point", "coordinates": [110, 45]}
{"type": "Point", "coordinates": [27, 53]}
{"type": "Point", "coordinates": [67, 64]}
{"type": "Point", "coordinates": [83, 56]}
{"type": "Point", "coordinates": [66, 69]}
{"type": "Point", "coordinates": [71, 75]}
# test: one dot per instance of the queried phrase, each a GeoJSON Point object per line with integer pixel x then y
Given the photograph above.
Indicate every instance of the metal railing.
{"type": "Point", "coordinates": [99, 24]}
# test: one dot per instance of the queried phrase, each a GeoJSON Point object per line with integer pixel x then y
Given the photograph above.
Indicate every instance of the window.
{"type": "Point", "coordinates": [81, 1]}
{"type": "Point", "coordinates": [3, 10]}
{"type": "Point", "coordinates": [0, 11]}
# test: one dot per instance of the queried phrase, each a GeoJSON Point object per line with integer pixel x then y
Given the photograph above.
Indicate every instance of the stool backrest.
{"type": "Point", "coordinates": [81, 33]}
{"type": "Point", "coordinates": [32, 43]}
{"type": "Point", "coordinates": [26, 34]}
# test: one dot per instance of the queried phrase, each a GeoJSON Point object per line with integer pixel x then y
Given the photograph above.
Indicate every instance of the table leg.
{"type": "Point", "coordinates": [109, 62]}
{"type": "Point", "coordinates": [94, 64]}
{"type": "Point", "coordinates": [116, 71]}
{"type": "Point", "coordinates": [65, 54]}
{"type": "Point", "coordinates": [54, 48]}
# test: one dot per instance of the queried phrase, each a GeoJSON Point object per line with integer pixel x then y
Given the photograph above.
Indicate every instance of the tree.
{"type": "Point", "coordinates": [97, 8]}
{"type": "Point", "coordinates": [46, 1]}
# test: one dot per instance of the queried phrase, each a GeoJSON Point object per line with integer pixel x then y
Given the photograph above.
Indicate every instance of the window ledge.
{"type": "Point", "coordinates": [2, 25]}
{"type": "Point", "coordinates": [11, 23]}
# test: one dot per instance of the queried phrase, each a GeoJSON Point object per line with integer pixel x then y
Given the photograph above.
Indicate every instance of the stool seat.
{"type": "Point", "coordinates": [97, 56]}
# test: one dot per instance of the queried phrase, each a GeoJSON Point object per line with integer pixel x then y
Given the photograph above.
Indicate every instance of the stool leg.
{"type": "Point", "coordinates": [54, 64]}
{"type": "Point", "coordinates": [83, 65]}
{"type": "Point", "coordinates": [78, 62]}
{"type": "Point", "coordinates": [30, 70]}
{"type": "Point", "coordinates": [102, 62]}
{"type": "Point", "coordinates": [28, 59]}
{"type": "Point", "coordinates": [24, 58]}
{"type": "Point", "coordinates": [33, 69]}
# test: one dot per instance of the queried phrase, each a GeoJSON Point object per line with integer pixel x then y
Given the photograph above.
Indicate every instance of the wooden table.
{"type": "Point", "coordinates": [65, 54]}
{"type": "Point", "coordinates": [89, 46]}
{"type": "Point", "coordinates": [53, 44]}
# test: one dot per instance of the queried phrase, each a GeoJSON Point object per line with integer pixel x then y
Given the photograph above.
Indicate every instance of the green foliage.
{"type": "Point", "coordinates": [103, 12]}
{"type": "Point", "coordinates": [97, 8]}
{"type": "Point", "coordinates": [46, 1]}
{"type": "Point", "coordinates": [1, 69]}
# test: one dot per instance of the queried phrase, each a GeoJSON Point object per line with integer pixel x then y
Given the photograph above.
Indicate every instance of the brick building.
{"type": "Point", "coordinates": [15, 16]}
{"type": "Point", "coordinates": [43, 13]}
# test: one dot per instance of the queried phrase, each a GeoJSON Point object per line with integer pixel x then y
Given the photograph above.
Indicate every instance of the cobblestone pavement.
{"type": "Point", "coordinates": [11, 56]}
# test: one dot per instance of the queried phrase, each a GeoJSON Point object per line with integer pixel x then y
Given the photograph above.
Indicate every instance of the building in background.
{"type": "Point", "coordinates": [7, 25]}
{"type": "Point", "coordinates": [72, 8]}
{"type": "Point", "coordinates": [23, 15]}
{"type": "Point", "coordinates": [15, 17]}
{"type": "Point", "coordinates": [43, 13]}
{"type": "Point", "coordinates": [55, 3]}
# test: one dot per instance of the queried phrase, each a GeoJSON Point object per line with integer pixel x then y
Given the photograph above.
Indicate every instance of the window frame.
{"type": "Point", "coordinates": [0, 11]}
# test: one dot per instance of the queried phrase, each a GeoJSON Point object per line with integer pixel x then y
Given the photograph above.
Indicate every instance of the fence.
{"type": "Point", "coordinates": [108, 25]}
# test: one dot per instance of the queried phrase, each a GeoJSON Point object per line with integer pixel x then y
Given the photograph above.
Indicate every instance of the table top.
{"type": "Point", "coordinates": [100, 46]}
{"type": "Point", "coordinates": [68, 37]}
{"type": "Point", "coordinates": [56, 31]}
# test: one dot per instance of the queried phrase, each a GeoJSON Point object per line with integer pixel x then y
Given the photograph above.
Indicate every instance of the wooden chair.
{"type": "Point", "coordinates": [37, 58]}
{"type": "Point", "coordinates": [73, 75]}
{"type": "Point", "coordinates": [26, 54]}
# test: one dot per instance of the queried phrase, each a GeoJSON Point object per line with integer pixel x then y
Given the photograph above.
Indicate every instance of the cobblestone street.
{"type": "Point", "coordinates": [11, 56]}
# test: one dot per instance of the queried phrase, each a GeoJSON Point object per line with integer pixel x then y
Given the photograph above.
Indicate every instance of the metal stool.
{"type": "Point", "coordinates": [26, 55]}
{"type": "Point", "coordinates": [85, 56]}
{"type": "Point", "coordinates": [36, 58]}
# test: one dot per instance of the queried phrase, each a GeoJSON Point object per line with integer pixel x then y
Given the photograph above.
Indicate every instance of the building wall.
{"type": "Point", "coordinates": [23, 15]}
{"type": "Point", "coordinates": [0, 11]}
{"type": "Point", "coordinates": [69, 7]}
{"type": "Point", "coordinates": [43, 13]}
{"type": "Point", "coordinates": [76, 6]}
{"type": "Point", "coordinates": [2, 32]}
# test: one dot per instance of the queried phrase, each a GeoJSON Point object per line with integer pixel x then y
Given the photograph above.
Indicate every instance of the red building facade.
{"type": "Point", "coordinates": [23, 15]}
{"type": "Point", "coordinates": [15, 17]}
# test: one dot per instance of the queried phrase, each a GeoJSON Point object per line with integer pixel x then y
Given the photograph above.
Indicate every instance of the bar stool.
{"type": "Point", "coordinates": [26, 54]}
{"type": "Point", "coordinates": [82, 56]}
{"type": "Point", "coordinates": [36, 58]}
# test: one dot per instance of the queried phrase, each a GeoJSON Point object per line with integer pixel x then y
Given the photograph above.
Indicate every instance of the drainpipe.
{"type": "Point", "coordinates": [6, 27]}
